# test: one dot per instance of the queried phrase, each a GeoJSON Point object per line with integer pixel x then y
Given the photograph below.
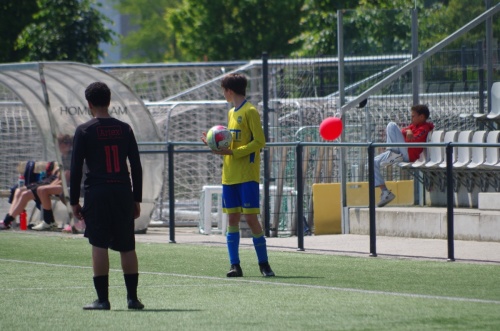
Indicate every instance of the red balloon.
{"type": "Point", "coordinates": [330, 128]}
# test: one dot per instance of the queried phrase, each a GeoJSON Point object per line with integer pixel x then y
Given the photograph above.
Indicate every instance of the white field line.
{"type": "Point", "coordinates": [59, 288]}
{"type": "Point", "coordinates": [271, 283]}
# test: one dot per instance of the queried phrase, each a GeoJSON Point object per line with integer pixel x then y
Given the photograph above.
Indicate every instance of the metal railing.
{"type": "Point", "coordinates": [170, 149]}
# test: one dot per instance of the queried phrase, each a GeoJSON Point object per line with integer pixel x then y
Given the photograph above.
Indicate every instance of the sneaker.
{"type": "Point", "coordinates": [265, 270]}
{"type": "Point", "coordinates": [235, 271]}
{"type": "Point", "coordinates": [386, 197]}
{"type": "Point", "coordinates": [67, 229]}
{"type": "Point", "coordinates": [45, 227]}
{"type": "Point", "coordinates": [391, 159]}
{"type": "Point", "coordinates": [135, 304]}
{"type": "Point", "coordinates": [97, 305]}
{"type": "Point", "coordinates": [4, 226]}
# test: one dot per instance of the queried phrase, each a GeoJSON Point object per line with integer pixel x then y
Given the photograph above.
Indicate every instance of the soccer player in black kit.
{"type": "Point", "coordinates": [111, 201]}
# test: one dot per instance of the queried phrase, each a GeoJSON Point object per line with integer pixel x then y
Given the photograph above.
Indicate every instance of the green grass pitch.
{"type": "Point", "coordinates": [45, 281]}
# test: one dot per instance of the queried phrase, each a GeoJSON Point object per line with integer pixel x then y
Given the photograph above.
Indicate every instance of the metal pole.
{"type": "Point", "coordinates": [342, 163]}
{"type": "Point", "coordinates": [414, 54]}
{"type": "Point", "coordinates": [415, 76]}
{"type": "Point", "coordinates": [480, 60]}
{"type": "Point", "coordinates": [371, 196]}
{"type": "Point", "coordinates": [463, 64]}
{"type": "Point", "coordinates": [340, 51]}
{"type": "Point", "coordinates": [489, 54]}
{"type": "Point", "coordinates": [171, 194]}
{"type": "Point", "coordinates": [300, 197]}
{"type": "Point", "coordinates": [265, 100]}
{"type": "Point", "coordinates": [449, 196]}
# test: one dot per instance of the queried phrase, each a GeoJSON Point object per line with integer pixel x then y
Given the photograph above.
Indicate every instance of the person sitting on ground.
{"type": "Point", "coordinates": [416, 132]}
{"type": "Point", "coordinates": [37, 192]}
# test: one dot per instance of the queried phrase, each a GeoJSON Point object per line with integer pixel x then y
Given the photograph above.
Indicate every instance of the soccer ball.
{"type": "Point", "coordinates": [219, 137]}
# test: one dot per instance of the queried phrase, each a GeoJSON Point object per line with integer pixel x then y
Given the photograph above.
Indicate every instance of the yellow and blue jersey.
{"type": "Point", "coordinates": [248, 139]}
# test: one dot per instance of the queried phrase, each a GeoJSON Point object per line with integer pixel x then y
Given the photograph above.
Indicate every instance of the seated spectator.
{"type": "Point", "coordinates": [416, 132]}
{"type": "Point", "coordinates": [41, 195]}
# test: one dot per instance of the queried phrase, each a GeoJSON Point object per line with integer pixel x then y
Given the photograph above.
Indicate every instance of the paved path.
{"type": "Point", "coordinates": [352, 245]}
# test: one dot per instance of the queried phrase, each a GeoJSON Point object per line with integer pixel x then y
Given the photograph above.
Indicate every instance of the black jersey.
{"type": "Point", "coordinates": [105, 144]}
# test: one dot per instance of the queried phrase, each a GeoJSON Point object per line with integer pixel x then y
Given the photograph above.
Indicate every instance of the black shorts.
{"type": "Point", "coordinates": [108, 211]}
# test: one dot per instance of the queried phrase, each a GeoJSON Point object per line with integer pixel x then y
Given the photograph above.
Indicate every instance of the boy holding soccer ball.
{"type": "Point", "coordinates": [241, 174]}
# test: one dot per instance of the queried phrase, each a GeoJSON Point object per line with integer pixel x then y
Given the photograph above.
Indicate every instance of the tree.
{"type": "Point", "coordinates": [319, 27]}
{"type": "Point", "coordinates": [235, 29]}
{"type": "Point", "coordinates": [370, 27]}
{"type": "Point", "coordinates": [439, 23]}
{"type": "Point", "coordinates": [14, 16]}
{"type": "Point", "coordinates": [65, 30]}
{"type": "Point", "coordinates": [153, 41]}
{"type": "Point", "coordinates": [384, 26]}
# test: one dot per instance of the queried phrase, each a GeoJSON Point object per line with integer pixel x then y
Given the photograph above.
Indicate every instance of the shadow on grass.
{"type": "Point", "coordinates": [284, 277]}
{"type": "Point", "coordinates": [159, 310]}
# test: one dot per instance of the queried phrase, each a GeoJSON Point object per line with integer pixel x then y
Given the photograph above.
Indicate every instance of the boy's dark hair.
{"type": "Point", "coordinates": [421, 110]}
{"type": "Point", "coordinates": [235, 82]}
{"type": "Point", "coordinates": [98, 94]}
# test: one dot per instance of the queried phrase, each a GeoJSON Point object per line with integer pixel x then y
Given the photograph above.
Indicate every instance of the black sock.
{"type": "Point", "coordinates": [8, 219]}
{"type": "Point", "coordinates": [48, 216]}
{"type": "Point", "coordinates": [131, 282]}
{"type": "Point", "coordinates": [101, 284]}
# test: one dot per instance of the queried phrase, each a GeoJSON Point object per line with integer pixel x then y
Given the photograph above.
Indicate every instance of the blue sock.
{"type": "Point", "coordinates": [259, 242]}
{"type": "Point", "coordinates": [233, 243]}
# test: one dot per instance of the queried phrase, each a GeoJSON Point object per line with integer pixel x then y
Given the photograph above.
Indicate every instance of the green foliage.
{"type": "Point", "coordinates": [153, 41]}
{"type": "Point", "coordinates": [65, 30]}
{"type": "Point", "coordinates": [14, 16]}
{"type": "Point", "coordinates": [370, 27]}
{"type": "Point", "coordinates": [235, 29]}
{"type": "Point", "coordinates": [319, 26]}
{"type": "Point", "coordinates": [197, 30]}
{"type": "Point", "coordinates": [379, 32]}
{"type": "Point", "coordinates": [374, 27]}
{"type": "Point", "coordinates": [441, 21]}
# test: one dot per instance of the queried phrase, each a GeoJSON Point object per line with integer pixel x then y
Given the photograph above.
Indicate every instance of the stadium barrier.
{"type": "Point", "coordinates": [299, 189]}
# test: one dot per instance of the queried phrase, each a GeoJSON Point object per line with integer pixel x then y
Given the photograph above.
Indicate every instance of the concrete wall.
{"type": "Point", "coordinates": [428, 222]}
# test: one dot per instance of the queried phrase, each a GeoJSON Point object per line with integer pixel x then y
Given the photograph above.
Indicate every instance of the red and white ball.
{"type": "Point", "coordinates": [219, 137]}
